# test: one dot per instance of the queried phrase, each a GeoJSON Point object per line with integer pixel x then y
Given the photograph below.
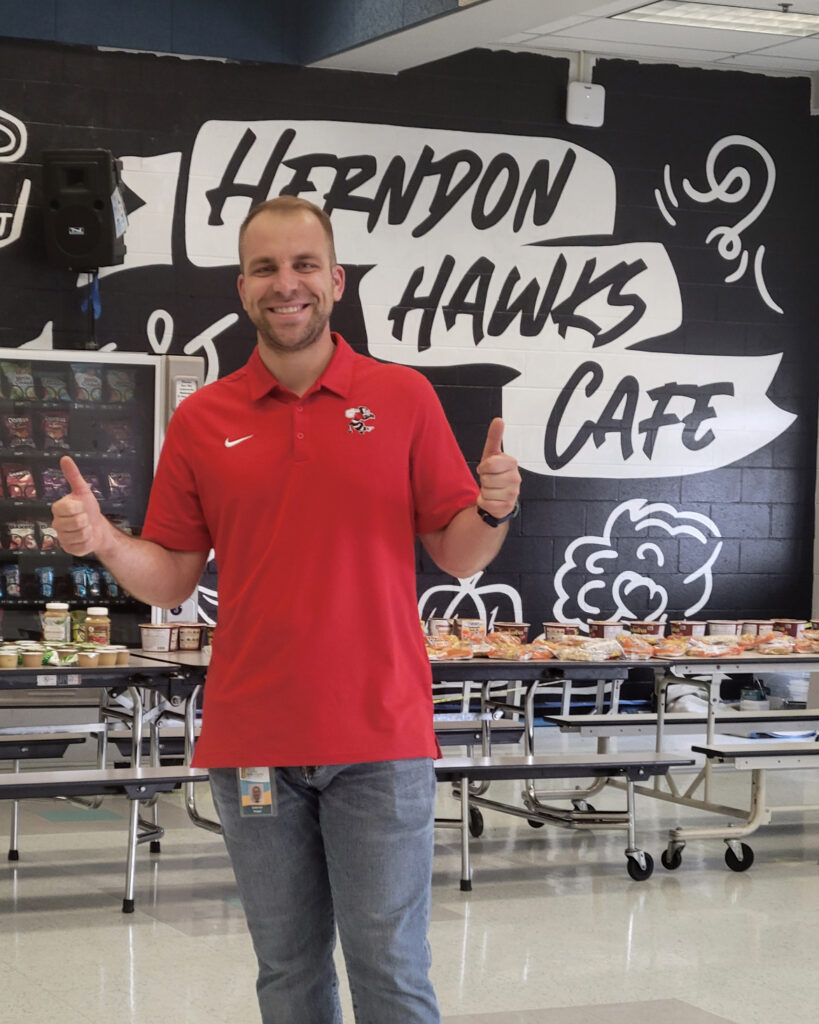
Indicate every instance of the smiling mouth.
{"type": "Point", "coordinates": [286, 310]}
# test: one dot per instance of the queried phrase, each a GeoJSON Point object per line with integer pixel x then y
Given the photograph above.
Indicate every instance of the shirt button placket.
{"type": "Point", "coordinates": [299, 446]}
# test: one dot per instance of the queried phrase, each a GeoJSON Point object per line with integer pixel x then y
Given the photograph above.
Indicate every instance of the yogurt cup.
{"type": "Point", "coordinates": [645, 627]}
{"type": "Point", "coordinates": [723, 627]}
{"type": "Point", "coordinates": [793, 627]}
{"type": "Point", "coordinates": [757, 627]}
{"type": "Point", "coordinates": [107, 657]}
{"type": "Point", "coordinates": [557, 631]}
{"type": "Point", "coordinates": [603, 629]}
{"type": "Point", "coordinates": [123, 654]}
{"type": "Point", "coordinates": [158, 636]}
{"type": "Point", "coordinates": [9, 657]}
{"type": "Point", "coordinates": [436, 627]}
{"type": "Point", "coordinates": [190, 635]}
{"type": "Point", "coordinates": [687, 627]}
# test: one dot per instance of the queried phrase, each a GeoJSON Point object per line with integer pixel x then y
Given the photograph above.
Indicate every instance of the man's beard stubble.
{"type": "Point", "coordinates": [272, 340]}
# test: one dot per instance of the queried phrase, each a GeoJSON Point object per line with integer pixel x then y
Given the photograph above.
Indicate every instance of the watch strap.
{"type": "Point", "coordinates": [491, 520]}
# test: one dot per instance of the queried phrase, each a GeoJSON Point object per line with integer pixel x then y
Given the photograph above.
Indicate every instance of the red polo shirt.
{"type": "Point", "coordinates": [312, 505]}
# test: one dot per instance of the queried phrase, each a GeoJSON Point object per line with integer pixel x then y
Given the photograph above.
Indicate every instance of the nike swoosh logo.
{"type": "Point", "coordinates": [230, 444]}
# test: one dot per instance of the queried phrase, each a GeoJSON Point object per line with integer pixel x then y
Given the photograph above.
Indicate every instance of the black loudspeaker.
{"type": "Point", "coordinates": [83, 211]}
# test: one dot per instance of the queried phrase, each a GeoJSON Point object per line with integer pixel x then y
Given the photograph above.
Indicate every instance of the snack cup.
{"type": "Point", "coordinates": [603, 629]}
{"type": "Point", "coordinates": [724, 627]}
{"type": "Point", "coordinates": [157, 637]}
{"type": "Point", "coordinates": [190, 635]}
{"type": "Point", "coordinates": [88, 659]}
{"type": "Point", "coordinates": [516, 629]}
{"type": "Point", "coordinates": [557, 631]}
{"type": "Point", "coordinates": [687, 627]}
{"type": "Point", "coordinates": [107, 657]}
{"type": "Point", "coordinates": [123, 654]}
{"type": "Point", "coordinates": [644, 627]}
{"type": "Point", "coordinates": [470, 629]}
{"type": "Point", "coordinates": [9, 657]}
{"type": "Point", "coordinates": [32, 659]}
{"type": "Point", "coordinates": [791, 627]}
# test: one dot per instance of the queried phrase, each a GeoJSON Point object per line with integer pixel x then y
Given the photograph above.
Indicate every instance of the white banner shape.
{"type": "Point", "coordinates": [503, 303]}
{"type": "Point", "coordinates": [384, 185]}
{"type": "Point", "coordinates": [639, 414]}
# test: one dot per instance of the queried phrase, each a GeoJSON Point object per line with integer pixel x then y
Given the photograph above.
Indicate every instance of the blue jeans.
{"type": "Point", "coordinates": [351, 846]}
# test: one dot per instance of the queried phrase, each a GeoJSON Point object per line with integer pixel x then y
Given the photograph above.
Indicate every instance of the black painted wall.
{"type": "Point", "coordinates": [691, 529]}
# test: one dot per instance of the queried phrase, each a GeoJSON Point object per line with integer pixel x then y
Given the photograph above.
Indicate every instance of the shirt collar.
{"type": "Point", "coordinates": [337, 377]}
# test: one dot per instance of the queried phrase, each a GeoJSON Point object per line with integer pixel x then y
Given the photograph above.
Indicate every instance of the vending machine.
{"type": "Point", "coordinates": [108, 410]}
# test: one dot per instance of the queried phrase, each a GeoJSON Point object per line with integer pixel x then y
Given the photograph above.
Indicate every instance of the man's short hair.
{"type": "Point", "coordinates": [290, 204]}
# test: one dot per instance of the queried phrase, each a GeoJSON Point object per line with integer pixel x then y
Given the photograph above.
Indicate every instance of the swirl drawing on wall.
{"type": "Point", "coordinates": [641, 536]}
{"type": "Point", "coordinates": [13, 143]}
{"type": "Point", "coordinates": [733, 186]}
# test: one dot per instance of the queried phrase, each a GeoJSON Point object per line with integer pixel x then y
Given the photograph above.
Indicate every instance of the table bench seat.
{"type": "Point", "coordinates": [135, 783]}
{"type": "Point", "coordinates": [645, 723]}
{"type": "Point", "coordinates": [633, 767]}
{"type": "Point", "coordinates": [25, 746]}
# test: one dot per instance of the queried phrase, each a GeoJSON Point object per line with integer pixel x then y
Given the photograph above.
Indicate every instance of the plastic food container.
{"type": "Point", "coordinates": [159, 636]}
{"type": "Point", "coordinates": [643, 627]}
{"type": "Point", "coordinates": [723, 627]}
{"type": "Point", "coordinates": [560, 630]}
{"type": "Point", "coordinates": [602, 629]}
{"type": "Point", "coordinates": [470, 629]}
{"type": "Point", "coordinates": [793, 627]}
{"type": "Point", "coordinates": [88, 659]}
{"type": "Point", "coordinates": [520, 630]}
{"type": "Point", "coordinates": [9, 657]}
{"type": "Point", "coordinates": [757, 627]}
{"type": "Point", "coordinates": [190, 635]}
{"type": "Point", "coordinates": [687, 627]}
{"type": "Point", "coordinates": [439, 627]}
{"type": "Point", "coordinates": [107, 656]}
{"type": "Point", "coordinates": [123, 654]}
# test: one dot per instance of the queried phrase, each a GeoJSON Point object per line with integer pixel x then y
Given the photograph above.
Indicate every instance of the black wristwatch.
{"type": "Point", "coordinates": [491, 520]}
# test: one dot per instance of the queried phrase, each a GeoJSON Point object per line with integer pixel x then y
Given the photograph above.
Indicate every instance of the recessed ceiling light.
{"type": "Point", "coordinates": [782, 22]}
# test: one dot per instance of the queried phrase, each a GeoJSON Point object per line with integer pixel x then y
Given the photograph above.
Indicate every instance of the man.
{"type": "Point", "coordinates": [310, 471]}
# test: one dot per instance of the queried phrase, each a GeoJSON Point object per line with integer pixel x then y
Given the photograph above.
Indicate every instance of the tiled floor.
{"type": "Point", "coordinates": [554, 931]}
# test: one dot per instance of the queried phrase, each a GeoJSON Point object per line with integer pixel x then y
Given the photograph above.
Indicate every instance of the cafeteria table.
{"type": "Point", "coordinates": [710, 673]}
{"type": "Point", "coordinates": [138, 694]}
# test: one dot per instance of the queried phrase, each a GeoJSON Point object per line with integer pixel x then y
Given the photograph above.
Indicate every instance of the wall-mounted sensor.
{"type": "Point", "coordinates": [585, 104]}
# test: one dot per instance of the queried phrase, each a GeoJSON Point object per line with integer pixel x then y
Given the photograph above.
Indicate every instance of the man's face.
{"type": "Point", "coordinates": [288, 284]}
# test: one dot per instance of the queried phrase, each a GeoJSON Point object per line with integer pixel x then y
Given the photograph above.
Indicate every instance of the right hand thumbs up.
{"type": "Point", "coordinates": [77, 517]}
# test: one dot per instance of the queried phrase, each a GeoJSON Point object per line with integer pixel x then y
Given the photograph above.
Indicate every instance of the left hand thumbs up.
{"type": "Point", "coordinates": [498, 474]}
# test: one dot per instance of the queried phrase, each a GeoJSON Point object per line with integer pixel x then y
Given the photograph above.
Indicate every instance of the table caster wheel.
{"type": "Point", "coordinates": [640, 872]}
{"type": "Point", "coordinates": [739, 860]}
{"type": "Point", "coordinates": [583, 805]}
{"type": "Point", "coordinates": [671, 859]}
{"type": "Point", "coordinates": [475, 822]}
{"type": "Point", "coordinates": [534, 823]}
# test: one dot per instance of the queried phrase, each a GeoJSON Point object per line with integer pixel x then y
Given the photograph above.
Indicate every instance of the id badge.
{"type": "Point", "coordinates": [257, 792]}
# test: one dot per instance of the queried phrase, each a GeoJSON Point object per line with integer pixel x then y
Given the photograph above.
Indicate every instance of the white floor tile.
{"type": "Point", "coordinates": [553, 932]}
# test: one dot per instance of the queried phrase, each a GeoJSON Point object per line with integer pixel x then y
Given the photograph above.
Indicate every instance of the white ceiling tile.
{"type": "Point", "coordinates": [807, 49]}
{"type": "Point", "coordinates": [763, 63]}
{"type": "Point", "coordinates": [644, 33]}
{"type": "Point", "coordinates": [608, 48]}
